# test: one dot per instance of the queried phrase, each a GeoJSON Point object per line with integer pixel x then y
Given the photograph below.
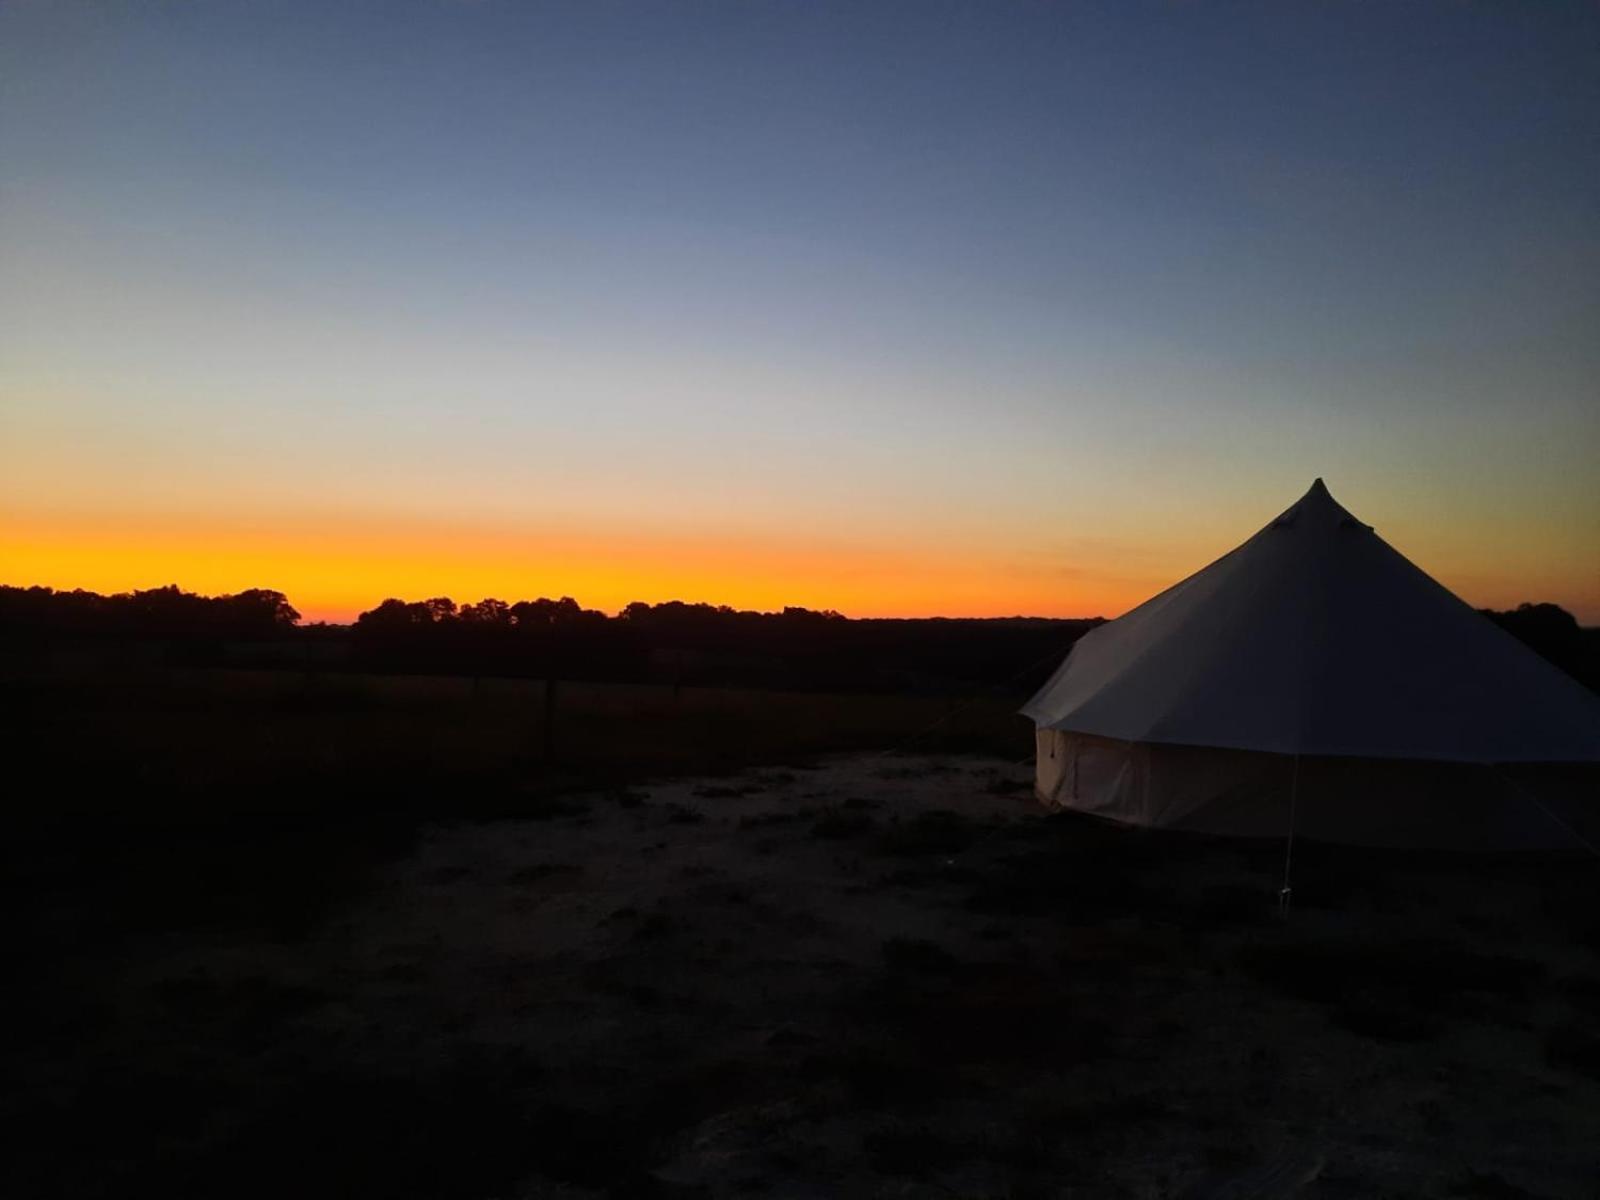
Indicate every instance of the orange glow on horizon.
{"type": "Point", "coordinates": [333, 571]}
{"type": "Point", "coordinates": [333, 574]}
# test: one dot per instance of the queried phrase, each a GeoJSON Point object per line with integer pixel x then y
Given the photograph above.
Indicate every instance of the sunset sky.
{"type": "Point", "coordinates": [898, 309]}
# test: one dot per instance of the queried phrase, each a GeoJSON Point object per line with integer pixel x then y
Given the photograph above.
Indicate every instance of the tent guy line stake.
{"type": "Point", "coordinates": [1288, 847]}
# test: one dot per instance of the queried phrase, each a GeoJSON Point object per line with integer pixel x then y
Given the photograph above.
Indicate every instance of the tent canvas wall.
{"type": "Point", "coordinates": [1315, 664]}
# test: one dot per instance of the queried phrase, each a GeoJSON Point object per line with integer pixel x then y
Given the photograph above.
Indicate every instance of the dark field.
{"type": "Point", "coordinates": [282, 934]}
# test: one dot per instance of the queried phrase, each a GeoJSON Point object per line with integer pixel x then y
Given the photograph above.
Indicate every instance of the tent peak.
{"type": "Point", "coordinates": [1318, 507]}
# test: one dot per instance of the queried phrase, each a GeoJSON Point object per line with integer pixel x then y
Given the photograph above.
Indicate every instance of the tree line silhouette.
{"type": "Point", "coordinates": [675, 642]}
{"type": "Point", "coordinates": [155, 612]}
{"type": "Point", "coordinates": [689, 643]}
{"type": "Point", "coordinates": [700, 644]}
{"type": "Point", "coordinates": [566, 613]}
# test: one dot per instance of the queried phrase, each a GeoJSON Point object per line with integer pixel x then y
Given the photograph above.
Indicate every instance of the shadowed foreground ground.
{"type": "Point", "coordinates": [865, 976]}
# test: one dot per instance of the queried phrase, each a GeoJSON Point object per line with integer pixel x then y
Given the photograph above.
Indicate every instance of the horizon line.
{"type": "Point", "coordinates": [303, 621]}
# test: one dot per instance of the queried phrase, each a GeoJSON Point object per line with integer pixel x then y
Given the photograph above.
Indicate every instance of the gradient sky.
{"type": "Point", "coordinates": [896, 309]}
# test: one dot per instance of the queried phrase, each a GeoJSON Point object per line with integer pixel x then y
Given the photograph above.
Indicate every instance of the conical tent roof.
{"type": "Point", "coordinates": [1316, 637]}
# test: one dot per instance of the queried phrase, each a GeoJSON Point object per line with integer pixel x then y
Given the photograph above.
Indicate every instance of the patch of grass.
{"type": "Point", "coordinates": [538, 872]}
{"type": "Point", "coordinates": [548, 806]}
{"type": "Point", "coordinates": [913, 1150]}
{"type": "Point", "coordinates": [1573, 1048]}
{"type": "Point", "coordinates": [1387, 1015]}
{"type": "Point", "coordinates": [253, 1008]}
{"type": "Point", "coordinates": [1068, 1131]}
{"type": "Point", "coordinates": [1008, 787]}
{"type": "Point", "coordinates": [465, 1130]}
{"type": "Point", "coordinates": [1328, 970]}
{"type": "Point", "coordinates": [919, 771]}
{"type": "Point", "coordinates": [935, 832]}
{"type": "Point", "coordinates": [1589, 936]}
{"type": "Point", "coordinates": [206, 742]}
{"type": "Point", "coordinates": [1003, 1013]}
{"type": "Point", "coordinates": [1582, 992]}
{"type": "Point", "coordinates": [927, 875]}
{"type": "Point", "coordinates": [1392, 990]}
{"type": "Point", "coordinates": [880, 1075]}
{"type": "Point", "coordinates": [1487, 1185]}
{"type": "Point", "coordinates": [116, 1138]}
{"type": "Point", "coordinates": [639, 993]}
{"type": "Point", "coordinates": [1103, 1113]}
{"type": "Point", "coordinates": [654, 926]}
{"type": "Point", "coordinates": [723, 893]}
{"type": "Point", "coordinates": [788, 1038]}
{"type": "Point", "coordinates": [1225, 1156]}
{"type": "Point", "coordinates": [766, 820]}
{"type": "Point", "coordinates": [1066, 863]}
{"type": "Point", "coordinates": [275, 878]}
{"type": "Point", "coordinates": [919, 955]}
{"type": "Point", "coordinates": [1233, 902]}
{"type": "Point", "coordinates": [719, 791]}
{"type": "Point", "coordinates": [836, 824]}
{"type": "Point", "coordinates": [1043, 883]}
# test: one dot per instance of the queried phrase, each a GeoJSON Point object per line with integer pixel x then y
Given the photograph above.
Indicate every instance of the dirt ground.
{"type": "Point", "coordinates": [860, 977]}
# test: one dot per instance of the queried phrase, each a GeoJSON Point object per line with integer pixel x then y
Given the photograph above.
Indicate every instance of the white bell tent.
{"type": "Point", "coordinates": [1314, 681]}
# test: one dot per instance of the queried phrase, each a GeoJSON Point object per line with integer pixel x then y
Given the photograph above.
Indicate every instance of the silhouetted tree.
{"type": "Point", "coordinates": [1553, 632]}
{"type": "Point", "coordinates": [440, 610]}
{"type": "Point", "coordinates": [486, 613]}
{"type": "Point", "coordinates": [549, 614]}
{"type": "Point", "coordinates": [263, 607]}
{"type": "Point", "coordinates": [393, 616]}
